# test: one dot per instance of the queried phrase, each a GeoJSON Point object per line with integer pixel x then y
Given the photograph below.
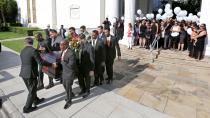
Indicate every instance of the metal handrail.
{"type": "Point", "coordinates": [152, 47]}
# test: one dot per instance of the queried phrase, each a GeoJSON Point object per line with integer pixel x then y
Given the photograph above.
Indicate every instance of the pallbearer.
{"type": "Point", "coordinates": [68, 61]}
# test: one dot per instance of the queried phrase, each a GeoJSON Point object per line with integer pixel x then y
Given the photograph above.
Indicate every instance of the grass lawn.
{"type": "Point", "coordinates": [16, 45]}
{"type": "Point", "coordinates": [9, 35]}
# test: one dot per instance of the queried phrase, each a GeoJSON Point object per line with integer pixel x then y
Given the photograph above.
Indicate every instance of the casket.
{"type": "Point", "coordinates": [52, 57]}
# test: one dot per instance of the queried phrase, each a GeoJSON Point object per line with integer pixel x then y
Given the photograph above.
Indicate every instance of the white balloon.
{"type": "Point", "coordinates": [158, 16]}
{"type": "Point", "coordinates": [164, 16]}
{"type": "Point", "coordinates": [160, 11]}
{"type": "Point", "coordinates": [122, 18]}
{"type": "Point", "coordinates": [177, 10]}
{"type": "Point", "coordinates": [170, 15]}
{"type": "Point", "coordinates": [137, 18]}
{"type": "Point", "coordinates": [144, 18]}
{"type": "Point", "coordinates": [179, 19]}
{"type": "Point", "coordinates": [139, 11]}
{"type": "Point", "coordinates": [114, 20]}
{"type": "Point", "coordinates": [184, 13]}
{"type": "Point", "coordinates": [169, 12]}
{"type": "Point", "coordinates": [168, 6]}
{"type": "Point", "coordinates": [148, 16]}
{"type": "Point", "coordinates": [190, 14]}
{"type": "Point", "coordinates": [152, 16]}
{"type": "Point", "coordinates": [199, 14]}
{"type": "Point", "coordinates": [195, 18]}
{"type": "Point", "coordinates": [167, 9]}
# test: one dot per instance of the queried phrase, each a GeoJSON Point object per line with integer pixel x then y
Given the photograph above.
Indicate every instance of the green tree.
{"type": "Point", "coordinates": [8, 11]}
{"type": "Point", "coordinates": [2, 12]}
{"type": "Point", "coordinates": [192, 6]}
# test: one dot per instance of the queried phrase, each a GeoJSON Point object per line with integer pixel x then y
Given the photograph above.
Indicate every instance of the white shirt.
{"type": "Point", "coordinates": [62, 57]}
{"type": "Point", "coordinates": [94, 42]}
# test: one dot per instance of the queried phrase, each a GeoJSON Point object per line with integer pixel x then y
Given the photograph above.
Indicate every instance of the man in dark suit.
{"type": "Point", "coordinates": [54, 45]}
{"type": "Point", "coordinates": [101, 34]}
{"type": "Point", "coordinates": [85, 66]}
{"type": "Point", "coordinates": [47, 32]}
{"type": "Point", "coordinates": [107, 23]}
{"type": "Point", "coordinates": [110, 47]}
{"type": "Point", "coordinates": [99, 50]}
{"type": "Point", "coordinates": [29, 72]}
{"type": "Point", "coordinates": [68, 61]}
{"type": "Point", "coordinates": [62, 32]}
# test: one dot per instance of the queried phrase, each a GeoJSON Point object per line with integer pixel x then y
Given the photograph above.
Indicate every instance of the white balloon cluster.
{"type": "Point", "coordinates": [169, 13]}
{"type": "Point", "coordinates": [150, 16]}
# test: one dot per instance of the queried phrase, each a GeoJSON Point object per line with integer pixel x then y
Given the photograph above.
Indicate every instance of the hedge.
{"type": "Point", "coordinates": [25, 30]}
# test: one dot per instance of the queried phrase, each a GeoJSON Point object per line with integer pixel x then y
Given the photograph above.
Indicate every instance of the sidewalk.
{"type": "Point", "coordinates": [102, 103]}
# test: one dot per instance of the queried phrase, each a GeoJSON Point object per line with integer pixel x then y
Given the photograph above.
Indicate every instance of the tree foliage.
{"type": "Point", "coordinates": [8, 11]}
{"type": "Point", "coordinates": [192, 6]}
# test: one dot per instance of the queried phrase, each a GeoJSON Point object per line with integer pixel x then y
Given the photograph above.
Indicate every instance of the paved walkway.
{"type": "Point", "coordinates": [104, 102]}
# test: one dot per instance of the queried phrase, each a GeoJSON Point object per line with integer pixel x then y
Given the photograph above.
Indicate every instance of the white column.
{"type": "Point", "coordinates": [54, 14]}
{"type": "Point", "coordinates": [128, 18]}
{"type": "Point", "coordinates": [31, 12]}
{"type": "Point", "coordinates": [112, 9]}
{"type": "Point", "coordinates": [205, 18]}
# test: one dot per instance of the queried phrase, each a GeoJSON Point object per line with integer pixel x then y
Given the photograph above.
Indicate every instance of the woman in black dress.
{"type": "Point", "coordinates": [142, 29]}
{"type": "Point", "coordinates": [200, 42]}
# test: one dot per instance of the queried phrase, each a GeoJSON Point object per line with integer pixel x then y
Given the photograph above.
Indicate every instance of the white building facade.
{"type": "Point", "coordinates": [90, 13]}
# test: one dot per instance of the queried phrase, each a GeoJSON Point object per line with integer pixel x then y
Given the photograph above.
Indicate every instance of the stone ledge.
{"type": "Point", "coordinates": [8, 108]}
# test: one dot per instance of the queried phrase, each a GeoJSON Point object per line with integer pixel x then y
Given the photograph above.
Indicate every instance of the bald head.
{"type": "Point", "coordinates": [64, 44]}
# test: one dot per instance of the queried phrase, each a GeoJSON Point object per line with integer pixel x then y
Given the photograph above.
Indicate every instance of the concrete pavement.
{"type": "Point", "coordinates": [103, 102]}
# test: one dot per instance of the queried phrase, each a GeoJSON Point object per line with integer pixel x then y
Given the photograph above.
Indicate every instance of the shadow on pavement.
{"type": "Point", "coordinates": [8, 60]}
{"type": "Point", "coordinates": [4, 76]}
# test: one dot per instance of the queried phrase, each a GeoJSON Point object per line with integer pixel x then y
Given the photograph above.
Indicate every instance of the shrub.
{"type": "Point", "coordinates": [24, 30]}
{"type": "Point", "coordinates": [16, 24]}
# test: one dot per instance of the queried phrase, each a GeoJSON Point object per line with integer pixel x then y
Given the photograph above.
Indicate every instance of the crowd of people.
{"type": "Point", "coordinates": [171, 34]}
{"type": "Point", "coordinates": [97, 52]}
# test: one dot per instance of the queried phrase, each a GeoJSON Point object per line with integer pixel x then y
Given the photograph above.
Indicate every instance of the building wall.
{"type": "Point", "coordinates": [205, 18]}
{"type": "Point", "coordinates": [89, 13]}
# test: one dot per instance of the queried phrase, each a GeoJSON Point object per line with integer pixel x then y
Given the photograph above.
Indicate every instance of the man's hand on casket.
{"type": "Point", "coordinates": [54, 65]}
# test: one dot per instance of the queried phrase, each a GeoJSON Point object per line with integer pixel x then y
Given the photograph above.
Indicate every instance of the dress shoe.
{"type": "Point", "coordinates": [109, 82]}
{"type": "Point", "coordinates": [29, 109]}
{"type": "Point", "coordinates": [72, 95]}
{"type": "Point", "coordinates": [101, 83]}
{"type": "Point", "coordinates": [40, 87]}
{"type": "Point", "coordinates": [49, 86]}
{"type": "Point", "coordinates": [86, 94]}
{"type": "Point", "coordinates": [67, 105]}
{"type": "Point", "coordinates": [81, 93]}
{"type": "Point", "coordinates": [39, 101]}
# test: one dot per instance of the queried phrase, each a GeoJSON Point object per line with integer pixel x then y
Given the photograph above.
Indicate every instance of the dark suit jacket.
{"type": "Point", "coordinates": [87, 58]}
{"type": "Point", "coordinates": [99, 55]}
{"type": "Point", "coordinates": [111, 50]}
{"type": "Point", "coordinates": [30, 59]}
{"type": "Point", "coordinates": [56, 43]}
{"type": "Point", "coordinates": [69, 65]}
{"type": "Point", "coordinates": [102, 36]}
{"type": "Point", "coordinates": [62, 34]}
